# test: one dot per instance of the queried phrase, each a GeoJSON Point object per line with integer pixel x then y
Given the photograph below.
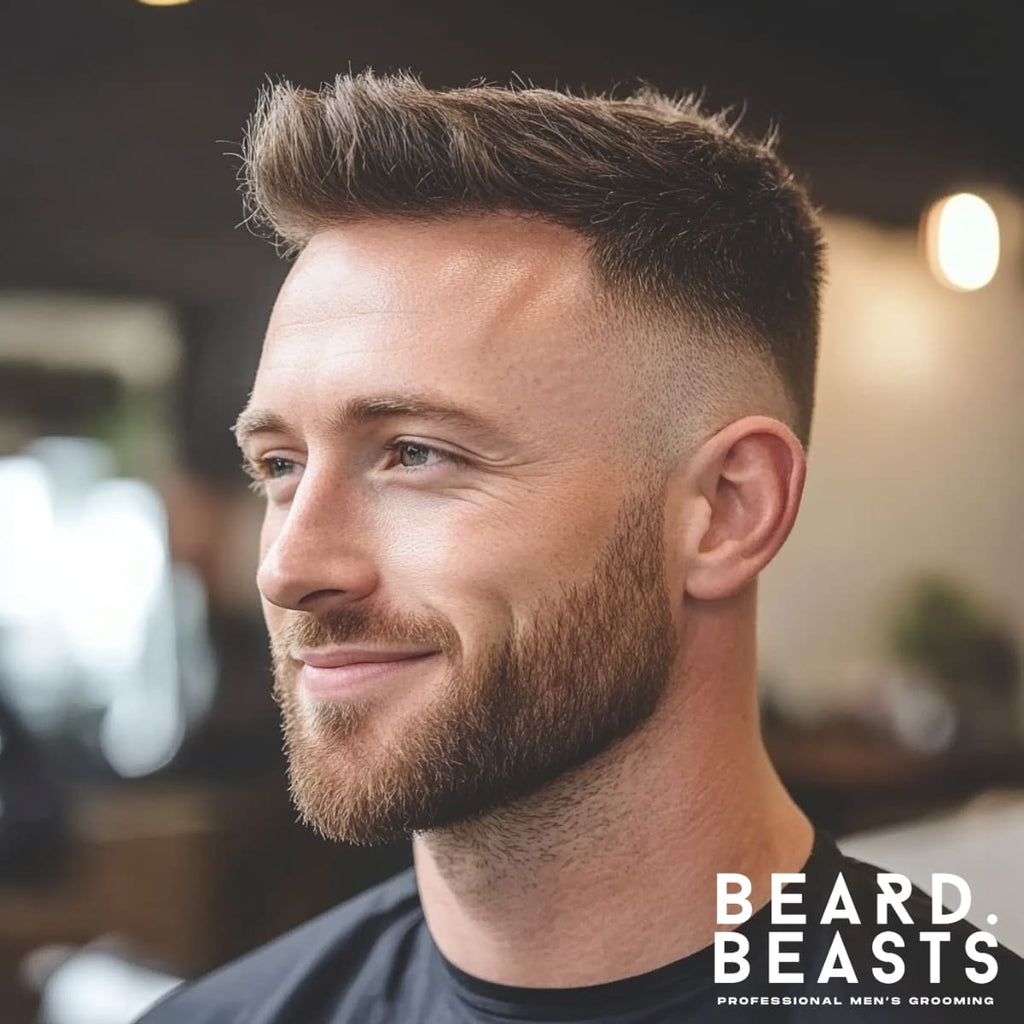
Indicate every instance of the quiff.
{"type": "Point", "coordinates": [687, 220]}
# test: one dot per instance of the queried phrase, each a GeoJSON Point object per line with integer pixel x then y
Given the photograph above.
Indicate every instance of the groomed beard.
{"type": "Point", "coordinates": [588, 670]}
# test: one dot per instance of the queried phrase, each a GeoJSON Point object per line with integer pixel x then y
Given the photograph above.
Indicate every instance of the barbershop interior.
{"type": "Point", "coordinates": [146, 831]}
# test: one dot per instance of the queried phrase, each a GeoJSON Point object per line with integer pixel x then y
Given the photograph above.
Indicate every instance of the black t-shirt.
{"type": "Point", "coordinates": [372, 960]}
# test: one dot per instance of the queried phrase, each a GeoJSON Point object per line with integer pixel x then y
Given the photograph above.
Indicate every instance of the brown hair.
{"type": "Point", "coordinates": [685, 217]}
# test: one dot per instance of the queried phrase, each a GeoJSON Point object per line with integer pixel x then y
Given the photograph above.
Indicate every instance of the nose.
{"type": "Point", "coordinates": [317, 552]}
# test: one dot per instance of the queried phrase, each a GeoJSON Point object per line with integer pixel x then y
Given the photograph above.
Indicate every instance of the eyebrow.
{"type": "Point", "coordinates": [357, 411]}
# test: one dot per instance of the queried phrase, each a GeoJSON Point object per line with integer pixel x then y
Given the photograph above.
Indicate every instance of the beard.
{"type": "Point", "coordinates": [587, 670]}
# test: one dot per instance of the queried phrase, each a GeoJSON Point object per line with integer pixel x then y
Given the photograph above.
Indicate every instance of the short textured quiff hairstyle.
{"type": "Point", "coordinates": [686, 219]}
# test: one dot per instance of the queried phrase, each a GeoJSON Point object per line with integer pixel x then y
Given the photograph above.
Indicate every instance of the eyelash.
{"type": "Point", "coordinates": [259, 470]}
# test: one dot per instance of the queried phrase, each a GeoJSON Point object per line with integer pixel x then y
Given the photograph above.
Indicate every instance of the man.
{"type": "Point", "coordinates": [530, 418]}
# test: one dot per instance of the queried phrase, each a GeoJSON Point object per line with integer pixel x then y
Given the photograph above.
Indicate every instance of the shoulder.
{"type": "Point", "coordinates": [310, 965]}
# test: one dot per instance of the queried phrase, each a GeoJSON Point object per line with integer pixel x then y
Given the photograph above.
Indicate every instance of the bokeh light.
{"type": "Point", "coordinates": [962, 241]}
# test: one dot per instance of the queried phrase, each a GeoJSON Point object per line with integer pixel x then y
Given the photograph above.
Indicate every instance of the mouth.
{"type": "Point", "coordinates": [335, 675]}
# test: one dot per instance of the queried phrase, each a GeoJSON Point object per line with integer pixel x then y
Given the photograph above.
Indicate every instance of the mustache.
{"type": "Point", "coordinates": [358, 625]}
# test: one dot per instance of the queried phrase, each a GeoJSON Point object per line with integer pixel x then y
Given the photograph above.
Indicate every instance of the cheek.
{"type": "Point", "coordinates": [468, 552]}
{"type": "Point", "coordinates": [458, 563]}
{"type": "Point", "coordinates": [437, 545]}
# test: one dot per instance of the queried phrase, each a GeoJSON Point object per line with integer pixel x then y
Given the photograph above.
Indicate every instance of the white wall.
{"type": "Point", "coordinates": [916, 459]}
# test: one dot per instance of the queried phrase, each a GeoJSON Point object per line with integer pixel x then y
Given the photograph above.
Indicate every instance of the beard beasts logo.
{"type": "Point", "coordinates": [889, 947]}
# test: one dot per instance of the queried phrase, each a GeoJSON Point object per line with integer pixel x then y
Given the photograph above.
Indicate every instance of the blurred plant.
{"type": "Point", "coordinates": [968, 652]}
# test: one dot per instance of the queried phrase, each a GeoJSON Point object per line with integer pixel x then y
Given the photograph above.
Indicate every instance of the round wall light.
{"type": "Point", "coordinates": [961, 238]}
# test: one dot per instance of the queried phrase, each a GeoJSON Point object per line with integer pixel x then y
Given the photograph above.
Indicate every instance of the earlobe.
{"type": "Point", "coordinates": [747, 482]}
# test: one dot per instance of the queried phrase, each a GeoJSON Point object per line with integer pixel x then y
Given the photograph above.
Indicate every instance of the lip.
{"type": "Point", "coordinates": [340, 657]}
{"type": "Point", "coordinates": [337, 673]}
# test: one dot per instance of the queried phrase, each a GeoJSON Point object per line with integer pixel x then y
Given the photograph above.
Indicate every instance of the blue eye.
{"type": "Point", "coordinates": [410, 455]}
{"type": "Point", "coordinates": [275, 467]}
{"type": "Point", "coordinates": [263, 470]}
{"type": "Point", "coordinates": [413, 455]}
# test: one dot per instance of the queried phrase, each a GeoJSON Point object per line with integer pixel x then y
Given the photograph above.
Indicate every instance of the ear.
{"type": "Point", "coordinates": [743, 489]}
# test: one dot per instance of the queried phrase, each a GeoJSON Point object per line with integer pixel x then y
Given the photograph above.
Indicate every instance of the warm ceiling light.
{"type": "Point", "coordinates": [164, 3]}
{"type": "Point", "coordinates": [962, 241]}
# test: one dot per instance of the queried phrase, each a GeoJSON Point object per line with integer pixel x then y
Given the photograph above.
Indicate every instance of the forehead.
{"type": "Point", "coordinates": [490, 264]}
{"type": "Point", "coordinates": [495, 308]}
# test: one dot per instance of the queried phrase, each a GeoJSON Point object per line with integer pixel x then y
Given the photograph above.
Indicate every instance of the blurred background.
{"type": "Point", "coordinates": [145, 832]}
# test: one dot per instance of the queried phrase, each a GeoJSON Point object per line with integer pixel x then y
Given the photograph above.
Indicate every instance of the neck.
{"type": "Point", "coordinates": [610, 871]}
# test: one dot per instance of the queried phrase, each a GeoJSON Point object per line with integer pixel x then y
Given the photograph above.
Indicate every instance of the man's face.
{"type": "Point", "coordinates": [440, 427]}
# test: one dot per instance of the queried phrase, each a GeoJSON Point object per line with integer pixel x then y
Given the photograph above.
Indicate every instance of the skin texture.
{"type": "Point", "coordinates": [566, 578]}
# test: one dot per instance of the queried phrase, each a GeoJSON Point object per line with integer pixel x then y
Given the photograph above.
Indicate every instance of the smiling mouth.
{"type": "Point", "coordinates": [325, 680]}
